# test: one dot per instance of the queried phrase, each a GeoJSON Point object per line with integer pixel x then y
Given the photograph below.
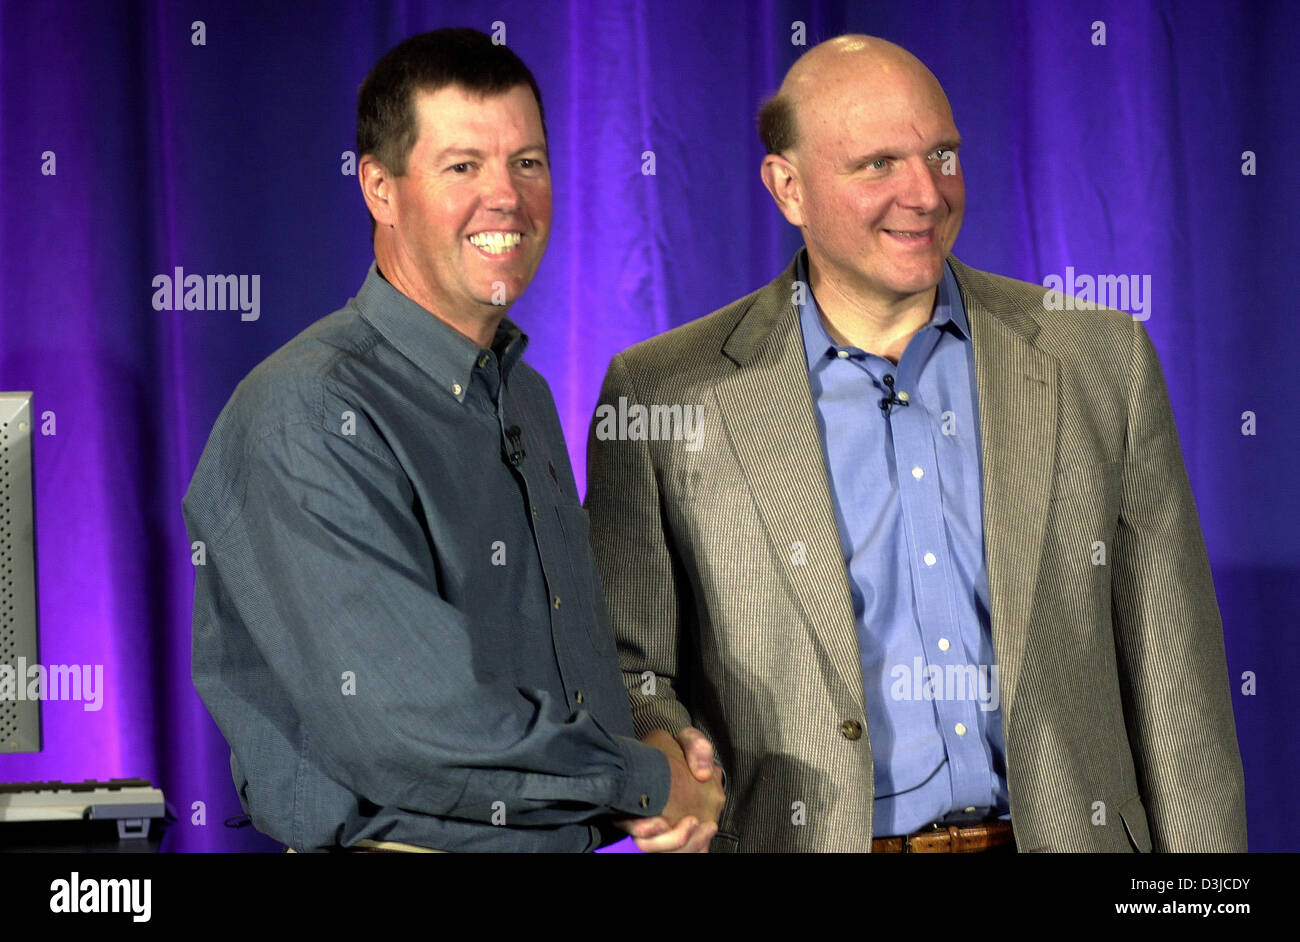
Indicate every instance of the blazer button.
{"type": "Point", "coordinates": [851, 729]}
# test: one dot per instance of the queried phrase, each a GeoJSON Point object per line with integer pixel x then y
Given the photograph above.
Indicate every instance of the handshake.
{"type": "Point", "coordinates": [690, 819]}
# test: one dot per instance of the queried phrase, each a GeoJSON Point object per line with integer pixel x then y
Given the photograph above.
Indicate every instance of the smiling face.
{"type": "Point", "coordinates": [468, 222]}
{"type": "Point", "coordinates": [867, 183]}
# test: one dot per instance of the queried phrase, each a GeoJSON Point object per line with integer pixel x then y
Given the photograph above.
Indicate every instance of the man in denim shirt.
{"type": "Point", "coordinates": [398, 626]}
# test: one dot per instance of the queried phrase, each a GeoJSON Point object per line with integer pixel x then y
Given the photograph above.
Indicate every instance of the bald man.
{"type": "Point", "coordinates": [915, 550]}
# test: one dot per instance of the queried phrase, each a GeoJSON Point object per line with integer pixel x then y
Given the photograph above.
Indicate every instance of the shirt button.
{"type": "Point", "coordinates": [930, 559]}
{"type": "Point", "coordinates": [456, 389]}
{"type": "Point", "coordinates": [970, 809]}
{"type": "Point", "coordinates": [557, 601]}
{"type": "Point", "coordinates": [943, 644]}
{"type": "Point", "coordinates": [904, 396]}
{"type": "Point", "coordinates": [851, 729]}
{"type": "Point", "coordinates": [483, 361]}
{"type": "Point", "coordinates": [843, 354]}
{"type": "Point", "coordinates": [578, 696]}
{"type": "Point", "coordinates": [960, 729]}
{"type": "Point", "coordinates": [918, 473]}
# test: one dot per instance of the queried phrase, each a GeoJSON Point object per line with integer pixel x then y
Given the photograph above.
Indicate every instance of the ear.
{"type": "Point", "coordinates": [781, 178]}
{"type": "Point", "coordinates": [377, 190]}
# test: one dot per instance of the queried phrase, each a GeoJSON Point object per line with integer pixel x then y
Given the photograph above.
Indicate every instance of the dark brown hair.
{"type": "Point", "coordinates": [386, 120]}
{"type": "Point", "coordinates": [776, 124]}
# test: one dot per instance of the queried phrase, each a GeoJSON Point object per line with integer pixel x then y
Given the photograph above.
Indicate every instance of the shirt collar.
{"type": "Point", "coordinates": [818, 345]}
{"type": "Point", "coordinates": [441, 351]}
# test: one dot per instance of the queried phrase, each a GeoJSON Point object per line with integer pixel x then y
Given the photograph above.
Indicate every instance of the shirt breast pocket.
{"type": "Point", "coordinates": [595, 614]}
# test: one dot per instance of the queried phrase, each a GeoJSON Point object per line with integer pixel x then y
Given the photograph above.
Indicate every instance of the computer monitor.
{"type": "Point", "coordinates": [20, 716]}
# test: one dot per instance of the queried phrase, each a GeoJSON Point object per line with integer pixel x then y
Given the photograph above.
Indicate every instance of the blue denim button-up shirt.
{"type": "Point", "coordinates": [398, 625]}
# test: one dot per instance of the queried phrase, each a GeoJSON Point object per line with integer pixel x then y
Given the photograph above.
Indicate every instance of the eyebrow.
{"type": "Point", "coordinates": [447, 152]}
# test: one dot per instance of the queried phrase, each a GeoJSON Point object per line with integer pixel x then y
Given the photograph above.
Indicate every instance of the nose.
{"type": "Point", "coordinates": [499, 190]}
{"type": "Point", "coordinates": [920, 191]}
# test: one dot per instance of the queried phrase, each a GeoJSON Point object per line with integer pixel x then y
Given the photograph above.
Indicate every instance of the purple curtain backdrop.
{"type": "Point", "coordinates": [227, 158]}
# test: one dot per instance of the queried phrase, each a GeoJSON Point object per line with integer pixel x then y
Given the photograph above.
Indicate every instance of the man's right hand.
{"type": "Point", "coordinates": [695, 798]}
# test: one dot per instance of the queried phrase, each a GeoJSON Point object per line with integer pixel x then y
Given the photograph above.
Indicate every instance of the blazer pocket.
{"type": "Point", "coordinates": [724, 843]}
{"type": "Point", "coordinates": [1134, 817]}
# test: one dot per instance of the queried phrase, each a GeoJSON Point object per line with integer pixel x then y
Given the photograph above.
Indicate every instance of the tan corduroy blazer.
{"type": "Point", "coordinates": [728, 589]}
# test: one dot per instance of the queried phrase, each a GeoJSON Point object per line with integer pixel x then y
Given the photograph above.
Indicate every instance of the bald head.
{"type": "Point", "coordinates": [851, 71]}
{"type": "Point", "coordinates": [862, 157]}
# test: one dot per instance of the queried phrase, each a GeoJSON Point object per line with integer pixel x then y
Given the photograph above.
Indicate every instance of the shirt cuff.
{"type": "Point", "coordinates": [647, 780]}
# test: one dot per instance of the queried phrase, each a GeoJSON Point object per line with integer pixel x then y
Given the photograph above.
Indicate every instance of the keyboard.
{"type": "Point", "coordinates": [132, 802]}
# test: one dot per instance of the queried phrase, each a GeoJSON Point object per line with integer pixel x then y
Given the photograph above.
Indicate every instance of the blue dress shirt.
{"type": "Point", "coordinates": [398, 625]}
{"type": "Point", "coordinates": [906, 485]}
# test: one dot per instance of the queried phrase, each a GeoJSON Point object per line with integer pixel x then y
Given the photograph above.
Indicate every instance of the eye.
{"type": "Point", "coordinates": [460, 168]}
{"type": "Point", "coordinates": [879, 160]}
{"type": "Point", "coordinates": [530, 163]}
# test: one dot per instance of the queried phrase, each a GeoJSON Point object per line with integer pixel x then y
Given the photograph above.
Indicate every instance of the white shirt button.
{"type": "Point", "coordinates": [930, 559]}
{"type": "Point", "coordinates": [943, 644]}
{"type": "Point", "coordinates": [918, 473]}
{"type": "Point", "coordinates": [960, 729]}
{"type": "Point", "coordinates": [842, 354]}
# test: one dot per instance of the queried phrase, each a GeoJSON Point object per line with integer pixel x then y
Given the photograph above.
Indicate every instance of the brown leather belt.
{"type": "Point", "coordinates": [949, 839]}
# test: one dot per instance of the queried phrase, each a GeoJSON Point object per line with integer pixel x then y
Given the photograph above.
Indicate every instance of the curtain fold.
{"type": "Point", "coordinates": [228, 157]}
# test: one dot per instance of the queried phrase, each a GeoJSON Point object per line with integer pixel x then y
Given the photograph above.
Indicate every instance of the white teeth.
{"type": "Point", "coordinates": [495, 243]}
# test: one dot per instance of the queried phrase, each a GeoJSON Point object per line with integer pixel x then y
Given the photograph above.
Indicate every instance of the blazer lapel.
{"type": "Point", "coordinates": [1017, 388]}
{"type": "Point", "coordinates": [768, 414]}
